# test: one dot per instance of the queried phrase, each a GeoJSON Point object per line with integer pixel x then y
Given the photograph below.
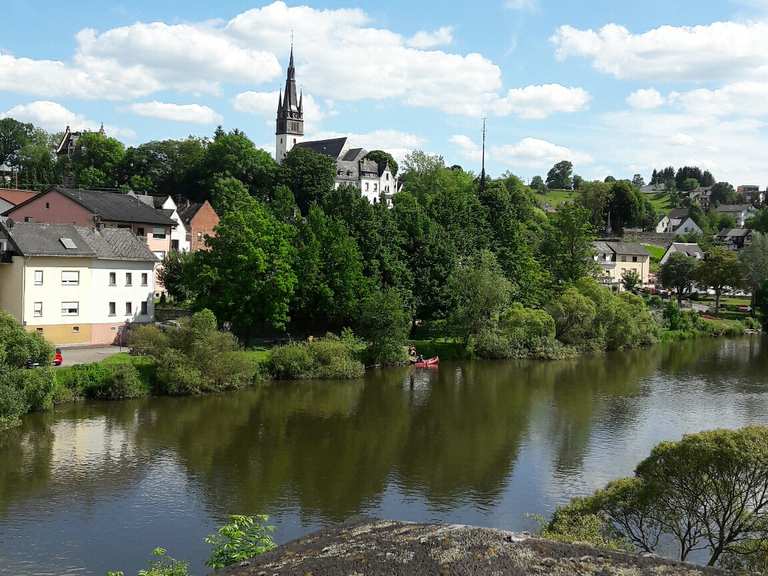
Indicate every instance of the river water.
{"type": "Point", "coordinates": [96, 486]}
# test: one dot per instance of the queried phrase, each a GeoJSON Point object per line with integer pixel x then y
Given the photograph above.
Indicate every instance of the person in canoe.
{"type": "Point", "coordinates": [414, 356]}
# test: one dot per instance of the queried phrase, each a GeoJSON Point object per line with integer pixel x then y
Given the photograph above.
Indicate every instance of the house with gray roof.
{"type": "Point", "coordinates": [690, 249]}
{"type": "Point", "coordinates": [678, 221]}
{"type": "Point", "coordinates": [617, 259]}
{"type": "Point", "coordinates": [735, 238]}
{"type": "Point", "coordinates": [740, 212]}
{"type": "Point", "coordinates": [75, 285]}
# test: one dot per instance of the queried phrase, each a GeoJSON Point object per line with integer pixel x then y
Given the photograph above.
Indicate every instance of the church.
{"type": "Point", "coordinates": [352, 168]}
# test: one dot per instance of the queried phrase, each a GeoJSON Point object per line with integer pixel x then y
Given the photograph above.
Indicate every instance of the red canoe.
{"type": "Point", "coordinates": [428, 363]}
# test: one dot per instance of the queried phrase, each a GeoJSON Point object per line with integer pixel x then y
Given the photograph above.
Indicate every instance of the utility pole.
{"type": "Point", "coordinates": [482, 169]}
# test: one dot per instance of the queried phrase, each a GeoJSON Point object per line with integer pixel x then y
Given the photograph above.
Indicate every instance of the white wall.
{"type": "Point", "coordinates": [137, 293]}
{"type": "Point", "coordinates": [369, 187]}
{"type": "Point", "coordinates": [180, 232]}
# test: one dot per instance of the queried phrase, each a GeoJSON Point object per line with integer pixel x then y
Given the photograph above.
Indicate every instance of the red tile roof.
{"type": "Point", "coordinates": [15, 196]}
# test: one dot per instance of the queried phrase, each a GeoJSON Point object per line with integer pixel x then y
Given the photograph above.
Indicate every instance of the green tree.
{"type": "Point", "coordinates": [14, 135]}
{"type": "Point", "coordinates": [560, 176]}
{"type": "Point", "coordinates": [233, 154]}
{"type": "Point", "coordinates": [754, 264]}
{"type": "Point", "coordinates": [383, 159]}
{"type": "Point", "coordinates": [689, 184]}
{"type": "Point", "coordinates": [36, 161]}
{"type": "Point", "coordinates": [309, 175]}
{"type": "Point", "coordinates": [574, 315]}
{"type": "Point", "coordinates": [229, 194]}
{"type": "Point", "coordinates": [384, 322]}
{"type": "Point", "coordinates": [722, 193]}
{"type": "Point", "coordinates": [596, 197]}
{"type": "Point", "coordinates": [759, 221]}
{"type": "Point", "coordinates": [96, 160]}
{"type": "Point", "coordinates": [479, 293]}
{"type": "Point", "coordinates": [166, 167]}
{"type": "Point", "coordinates": [623, 206]}
{"type": "Point", "coordinates": [567, 246]}
{"type": "Point", "coordinates": [246, 275]}
{"type": "Point", "coordinates": [720, 270]}
{"type": "Point", "coordinates": [578, 182]}
{"type": "Point", "coordinates": [331, 283]}
{"type": "Point", "coordinates": [537, 184]}
{"type": "Point", "coordinates": [678, 274]}
{"type": "Point", "coordinates": [638, 181]}
{"type": "Point", "coordinates": [177, 275]}
{"type": "Point", "coordinates": [631, 280]}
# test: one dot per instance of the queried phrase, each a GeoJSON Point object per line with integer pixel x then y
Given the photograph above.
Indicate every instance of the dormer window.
{"type": "Point", "coordinates": [68, 243]}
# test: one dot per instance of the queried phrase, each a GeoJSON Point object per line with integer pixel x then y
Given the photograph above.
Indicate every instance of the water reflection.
{"type": "Point", "coordinates": [470, 442]}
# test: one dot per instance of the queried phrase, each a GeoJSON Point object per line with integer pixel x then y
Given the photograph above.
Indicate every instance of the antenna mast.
{"type": "Point", "coordinates": [482, 169]}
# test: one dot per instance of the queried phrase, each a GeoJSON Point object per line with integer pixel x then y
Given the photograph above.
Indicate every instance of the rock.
{"type": "Point", "coordinates": [404, 549]}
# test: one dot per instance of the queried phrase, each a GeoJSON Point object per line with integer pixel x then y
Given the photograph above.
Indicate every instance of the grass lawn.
{"type": "Point", "coordinates": [660, 202]}
{"type": "Point", "coordinates": [657, 253]}
{"type": "Point", "coordinates": [258, 353]}
{"type": "Point", "coordinates": [555, 197]}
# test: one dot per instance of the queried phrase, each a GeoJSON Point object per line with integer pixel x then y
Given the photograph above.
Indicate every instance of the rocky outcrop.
{"type": "Point", "coordinates": [373, 547]}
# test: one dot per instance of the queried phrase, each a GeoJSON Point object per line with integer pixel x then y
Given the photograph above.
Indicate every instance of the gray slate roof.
{"type": "Point", "coordinates": [629, 248]}
{"type": "Point", "coordinates": [186, 213]}
{"type": "Point", "coordinates": [116, 207]}
{"type": "Point", "coordinates": [678, 213]}
{"type": "Point", "coordinates": [38, 239]}
{"type": "Point", "coordinates": [687, 248]}
{"type": "Point", "coordinates": [733, 208]}
{"type": "Point", "coordinates": [331, 147]}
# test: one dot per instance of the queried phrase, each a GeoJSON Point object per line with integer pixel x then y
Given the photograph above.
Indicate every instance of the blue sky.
{"type": "Point", "coordinates": [617, 87]}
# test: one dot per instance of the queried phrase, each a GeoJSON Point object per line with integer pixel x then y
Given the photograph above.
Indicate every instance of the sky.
{"type": "Point", "coordinates": [616, 87]}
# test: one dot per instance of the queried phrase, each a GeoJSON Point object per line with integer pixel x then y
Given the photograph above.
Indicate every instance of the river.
{"type": "Point", "coordinates": [97, 485]}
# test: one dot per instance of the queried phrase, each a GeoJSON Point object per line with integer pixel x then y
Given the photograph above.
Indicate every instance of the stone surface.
{"type": "Point", "coordinates": [374, 547]}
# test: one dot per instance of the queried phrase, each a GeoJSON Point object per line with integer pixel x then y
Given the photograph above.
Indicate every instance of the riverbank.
{"type": "Point", "coordinates": [385, 547]}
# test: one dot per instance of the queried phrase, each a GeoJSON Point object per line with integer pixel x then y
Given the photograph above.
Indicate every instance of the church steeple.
{"type": "Point", "coordinates": [289, 125]}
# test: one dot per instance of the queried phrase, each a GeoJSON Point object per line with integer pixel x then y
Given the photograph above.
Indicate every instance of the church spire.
{"type": "Point", "coordinates": [289, 125]}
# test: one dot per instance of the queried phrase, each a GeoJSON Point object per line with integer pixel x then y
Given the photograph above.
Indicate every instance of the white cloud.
{"type": "Point", "coordinates": [682, 139]}
{"type": "Point", "coordinates": [528, 5]}
{"type": "Point", "coordinates": [541, 101]}
{"type": "Point", "coordinates": [265, 104]}
{"type": "Point", "coordinates": [191, 113]}
{"type": "Point", "coordinates": [423, 39]}
{"type": "Point", "coordinates": [646, 99]}
{"type": "Point", "coordinates": [537, 153]}
{"type": "Point", "coordinates": [717, 51]}
{"type": "Point", "coordinates": [54, 117]}
{"type": "Point", "coordinates": [468, 148]}
{"type": "Point", "coordinates": [737, 99]}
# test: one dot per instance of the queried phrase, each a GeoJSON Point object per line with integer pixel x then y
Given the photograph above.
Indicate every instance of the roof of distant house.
{"type": "Point", "coordinates": [678, 213]}
{"type": "Point", "coordinates": [16, 196]}
{"type": "Point", "coordinates": [622, 248]}
{"type": "Point", "coordinates": [68, 240]}
{"type": "Point", "coordinates": [688, 248]}
{"type": "Point", "coordinates": [186, 213]}
{"type": "Point", "coordinates": [115, 206]}
{"type": "Point", "coordinates": [734, 233]}
{"type": "Point", "coordinates": [738, 208]}
{"type": "Point", "coordinates": [331, 147]}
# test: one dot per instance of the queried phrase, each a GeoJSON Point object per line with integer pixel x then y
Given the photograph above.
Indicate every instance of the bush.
{"type": "Point", "coordinates": [122, 381]}
{"type": "Point", "coordinates": [82, 377]}
{"type": "Point", "coordinates": [176, 376]}
{"type": "Point", "coordinates": [17, 345]}
{"type": "Point", "coordinates": [574, 315]}
{"type": "Point", "coordinates": [37, 387]}
{"type": "Point", "coordinates": [12, 404]}
{"type": "Point", "coordinates": [751, 323]}
{"type": "Point", "coordinates": [147, 340]}
{"type": "Point", "coordinates": [243, 538]}
{"type": "Point", "coordinates": [324, 358]}
{"type": "Point", "coordinates": [384, 323]}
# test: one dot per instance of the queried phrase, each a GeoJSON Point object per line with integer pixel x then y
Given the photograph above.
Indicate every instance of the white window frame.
{"type": "Point", "coordinates": [73, 278]}
{"type": "Point", "coordinates": [159, 232]}
{"type": "Point", "coordinates": [41, 275]}
{"type": "Point", "coordinates": [70, 308]}
{"type": "Point", "coordinates": [37, 309]}
{"type": "Point", "coordinates": [112, 279]}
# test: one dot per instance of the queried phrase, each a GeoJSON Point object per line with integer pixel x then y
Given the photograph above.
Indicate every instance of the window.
{"type": "Point", "coordinates": [140, 232]}
{"type": "Point", "coordinates": [366, 186]}
{"type": "Point", "coordinates": [68, 243]}
{"type": "Point", "coordinates": [175, 245]}
{"type": "Point", "coordinates": [76, 329]}
{"type": "Point", "coordinates": [70, 308]}
{"type": "Point", "coordinates": [160, 254]}
{"type": "Point", "coordinates": [113, 278]}
{"type": "Point", "coordinates": [128, 279]}
{"type": "Point", "coordinates": [144, 278]}
{"type": "Point", "coordinates": [112, 309]}
{"type": "Point", "coordinates": [386, 176]}
{"type": "Point", "coordinates": [38, 309]}
{"type": "Point", "coordinates": [70, 278]}
{"type": "Point", "coordinates": [128, 308]}
{"type": "Point", "coordinates": [47, 205]}
{"type": "Point", "coordinates": [634, 258]}
{"type": "Point", "coordinates": [144, 308]}
{"type": "Point", "coordinates": [38, 277]}
{"type": "Point", "coordinates": [158, 232]}
{"type": "Point", "coordinates": [375, 187]}
{"type": "Point", "coordinates": [39, 330]}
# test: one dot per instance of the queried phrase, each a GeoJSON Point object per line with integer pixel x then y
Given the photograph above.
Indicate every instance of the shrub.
{"type": "Point", "coordinates": [242, 538]}
{"type": "Point", "coordinates": [37, 387]}
{"type": "Point", "coordinates": [12, 404]}
{"type": "Point", "coordinates": [325, 358]}
{"type": "Point", "coordinates": [82, 377]}
{"type": "Point", "coordinates": [751, 323]}
{"type": "Point", "coordinates": [163, 565]}
{"type": "Point", "coordinates": [231, 371]}
{"type": "Point", "coordinates": [176, 375]}
{"type": "Point", "coordinates": [632, 324]}
{"type": "Point", "coordinates": [147, 340]}
{"type": "Point", "coordinates": [17, 345]}
{"type": "Point", "coordinates": [574, 314]}
{"type": "Point", "coordinates": [122, 381]}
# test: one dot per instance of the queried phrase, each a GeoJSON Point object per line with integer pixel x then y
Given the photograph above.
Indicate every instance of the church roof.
{"type": "Point", "coordinates": [352, 154]}
{"type": "Point", "coordinates": [331, 147]}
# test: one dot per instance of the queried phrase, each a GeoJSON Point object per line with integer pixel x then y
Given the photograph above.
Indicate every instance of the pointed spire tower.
{"type": "Point", "coordinates": [289, 126]}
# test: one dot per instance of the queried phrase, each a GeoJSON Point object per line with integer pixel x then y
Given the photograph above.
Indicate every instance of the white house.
{"type": "Point", "coordinates": [690, 249]}
{"type": "Point", "coordinates": [740, 212]}
{"type": "Point", "coordinates": [678, 222]}
{"type": "Point", "coordinates": [617, 258]}
{"type": "Point", "coordinates": [75, 285]}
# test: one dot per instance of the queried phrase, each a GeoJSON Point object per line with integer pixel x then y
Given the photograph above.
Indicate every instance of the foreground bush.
{"type": "Point", "coordinates": [23, 391]}
{"type": "Point", "coordinates": [324, 358]}
{"type": "Point", "coordinates": [707, 491]}
{"type": "Point", "coordinates": [195, 357]}
{"type": "Point", "coordinates": [242, 538]}
{"type": "Point", "coordinates": [100, 381]}
{"type": "Point", "coordinates": [385, 324]}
